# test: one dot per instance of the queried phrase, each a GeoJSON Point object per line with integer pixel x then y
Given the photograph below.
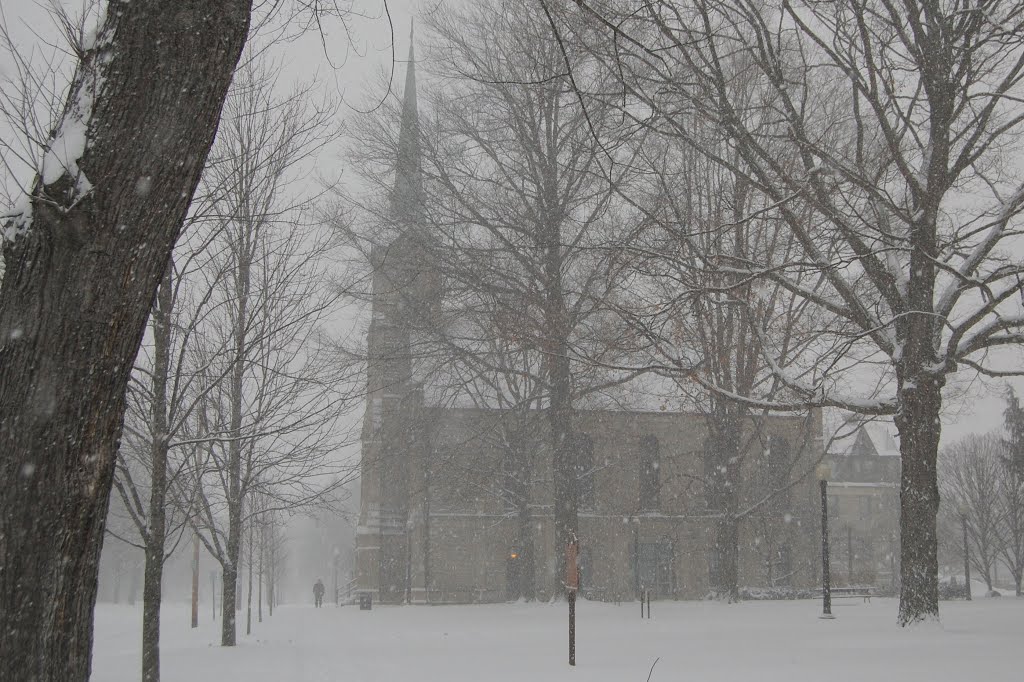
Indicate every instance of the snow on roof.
{"type": "Point", "coordinates": [852, 435]}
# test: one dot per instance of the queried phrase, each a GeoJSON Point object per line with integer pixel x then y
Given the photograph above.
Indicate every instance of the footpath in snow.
{"type": "Point", "coordinates": [695, 641]}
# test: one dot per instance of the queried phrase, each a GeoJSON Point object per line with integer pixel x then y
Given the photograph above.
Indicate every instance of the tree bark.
{"type": "Point", "coordinates": [195, 581]}
{"type": "Point", "coordinates": [157, 531]}
{"type": "Point", "coordinates": [563, 443]}
{"type": "Point", "coordinates": [234, 472]}
{"type": "Point", "coordinates": [919, 427]}
{"type": "Point", "coordinates": [73, 306]}
{"type": "Point", "coordinates": [725, 424]}
{"type": "Point", "coordinates": [229, 584]}
{"type": "Point", "coordinates": [248, 604]}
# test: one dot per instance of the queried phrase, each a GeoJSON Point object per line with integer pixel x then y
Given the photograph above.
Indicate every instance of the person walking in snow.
{"type": "Point", "coordinates": [318, 593]}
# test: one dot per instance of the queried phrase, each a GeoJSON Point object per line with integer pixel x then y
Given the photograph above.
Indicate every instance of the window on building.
{"type": "Point", "coordinates": [654, 568]}
{"type": "Point", "coordinates": [584, 447]}
{"type": "Point", "coordinates": [650, 472]}
{"type": "Point", "coordinates": [777, 472]}
{"type": "Point", "coordinates": [514, 478]}
{"type": "Point", "coordinates": [376, 415]}
{"type": "Point", "coordinates": [865, 506]}
{"type": "Point", "coordinates": [782, 567]}
{"type": "Point", "coordinates": [714, 476]}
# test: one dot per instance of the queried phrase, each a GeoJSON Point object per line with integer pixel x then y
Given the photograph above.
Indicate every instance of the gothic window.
{"type": "Point", "coordinates": [514, 477]}
{"type": "Point", "coordinates": [783, 567]}
{"type": "Point", "coordinates": [778, 465]}
{"type": "Point", "coordinates": [650, 464]}
{"type": "Point", "coordinates": [654, 568]}
{"type": "Point", "coordinates": [584, 447]}
{"type": "Point", "coordinates": [865, 506]}
{"type": "Point", "coordinates": [376, 416]}
{"type": "Point", "coordinates": [714, 477]}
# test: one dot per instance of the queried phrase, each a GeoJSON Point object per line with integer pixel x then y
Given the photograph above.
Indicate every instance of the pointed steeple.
{"type": "Point", "coordinates": [407, 197]}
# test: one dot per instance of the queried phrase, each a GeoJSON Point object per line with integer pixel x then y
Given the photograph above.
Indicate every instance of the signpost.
{"type": "Point", "coordinates": [572, 583]}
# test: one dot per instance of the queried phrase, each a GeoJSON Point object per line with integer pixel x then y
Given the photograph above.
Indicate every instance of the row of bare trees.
{"type": "Point", "coordinates": [234, 405]}
{"type": "Point", "coordinates": [982, 487]}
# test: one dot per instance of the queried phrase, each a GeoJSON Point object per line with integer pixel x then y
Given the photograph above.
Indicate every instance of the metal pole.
{"type": "Point", "coordinates": [572, 583]}
{"type": "Point", "coordinates": [648, 604]}
{"type": "Point", "coordinates": [826, 582]}
{"type": "Point", "coordinates": [967, 559]}
{"type": "Point", "coordinates": [849, 554]}
{"type": "Point", "coordinates": [572, 627]}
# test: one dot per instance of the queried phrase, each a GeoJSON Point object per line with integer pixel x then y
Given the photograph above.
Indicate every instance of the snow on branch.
{"type": "Point", "coordinates": [69, 140]}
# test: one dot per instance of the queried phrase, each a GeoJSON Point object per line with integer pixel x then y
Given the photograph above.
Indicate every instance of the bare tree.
{"type": "Point", "coordinates": [1011, 490]}
{"type": "Point", "coordinates": [703, 324]}
{"type": "Point", "coordinates": [83, 257]}
{"type": "Point", "coordinates": [269, 425]}
{"type": "Point", "coordinates": [970, 474]}
{"type": "Point", "coordinates": [167, 385]}
{"type": "Point", "coordinates": [892, 114]}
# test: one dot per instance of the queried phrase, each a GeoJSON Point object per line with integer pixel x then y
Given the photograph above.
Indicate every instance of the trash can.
{"type": "Point", "coordinates": [365, 601]}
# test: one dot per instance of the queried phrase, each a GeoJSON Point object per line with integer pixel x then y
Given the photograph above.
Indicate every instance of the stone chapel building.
{"type": "Point", "coordinates": [447, 516]}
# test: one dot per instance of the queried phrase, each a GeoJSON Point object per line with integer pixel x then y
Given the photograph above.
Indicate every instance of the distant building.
{"type": "Point", "coordinates": [457, 502]}
{"type": "Point", "coordinates": [864, 504]}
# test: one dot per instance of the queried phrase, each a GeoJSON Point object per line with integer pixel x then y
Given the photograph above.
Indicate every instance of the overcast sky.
{"type": "Point", "coordinates": [345, 59]}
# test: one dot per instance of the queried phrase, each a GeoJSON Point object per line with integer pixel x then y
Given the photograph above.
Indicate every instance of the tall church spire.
{"type": "Point", "coordinates": [407, 197]}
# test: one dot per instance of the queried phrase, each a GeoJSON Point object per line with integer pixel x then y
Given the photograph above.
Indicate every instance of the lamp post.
{"type": "Point", "coordinates": [335, 569]}
{"type": "Point", "coordinates": [823, 471]}
{"type": "Point", "coordinates": [967, 554]}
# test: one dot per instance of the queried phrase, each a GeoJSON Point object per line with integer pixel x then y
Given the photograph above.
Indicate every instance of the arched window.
{"type": "Point", "coordinates": [650, 472]}
{"type": "Point", "coordinates": [777, 474]}
{"type": "Point", "coordinates": [714, 477]}
{"type": "Point", "coordinates": [584, 448]}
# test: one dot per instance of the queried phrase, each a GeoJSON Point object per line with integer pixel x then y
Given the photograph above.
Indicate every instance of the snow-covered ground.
{"type": "Point", "coordinates": [700, 641]}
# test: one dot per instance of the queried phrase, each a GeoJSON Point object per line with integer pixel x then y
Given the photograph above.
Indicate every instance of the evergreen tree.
{"type": "Point", "coordinates": [1013, 421]}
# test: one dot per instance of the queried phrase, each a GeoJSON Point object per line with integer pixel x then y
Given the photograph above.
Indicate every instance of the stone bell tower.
{"type": "Point", "coordinates": [403, 288]}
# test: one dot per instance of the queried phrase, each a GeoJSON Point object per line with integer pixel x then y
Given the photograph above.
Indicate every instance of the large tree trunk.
{"type": "Point", "coordinates": [234, 472]}
{"type": "Point", "coordinates": [563, 446]}
{"type": "Point", "coordinates": [229, 585]}
{"type": "Point", "coordinates": [73, 305]}
{"type": "Point", "coordinates": [723, 481]}
{"type": "Point", "coordinates": [248, 599]}
{"type": "Point", "coordinates": [528, 574]}
{"type": "Point", "coordinates": [918, 424]}
{"type": "Point", "coordinates": [157, 531]}
{"type": "Point", "coordinates": [919, 388]}
{"type": "Point", "coordinates": [560, 416]}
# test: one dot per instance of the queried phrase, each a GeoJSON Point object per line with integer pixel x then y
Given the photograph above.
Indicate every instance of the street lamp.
{"type": "Point", "coordinates": [336, 553]}
{"type": "Point", "coordinates": [824, 471]}
{"type": "Point", "coordinates": [967, 553]}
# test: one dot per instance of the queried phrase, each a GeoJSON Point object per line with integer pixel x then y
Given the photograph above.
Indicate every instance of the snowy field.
{"type": "Point", "coordinates": [695, 641]}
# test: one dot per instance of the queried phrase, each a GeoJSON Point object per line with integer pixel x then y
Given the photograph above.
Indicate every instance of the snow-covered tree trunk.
{"type": "Point", "coordinates": [82, 264]}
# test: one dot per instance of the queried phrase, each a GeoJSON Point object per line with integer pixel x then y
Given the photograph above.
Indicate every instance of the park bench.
{"type": "Point", "coordinates": [853, 592]}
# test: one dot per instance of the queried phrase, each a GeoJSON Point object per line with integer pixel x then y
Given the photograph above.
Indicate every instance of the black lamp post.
{"type": "Point", "coordinates": [826, 581]}
{"type": "Point", "coordinates": [967, 555]}
{"type": "Point", "coordinates": [335, 569]}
